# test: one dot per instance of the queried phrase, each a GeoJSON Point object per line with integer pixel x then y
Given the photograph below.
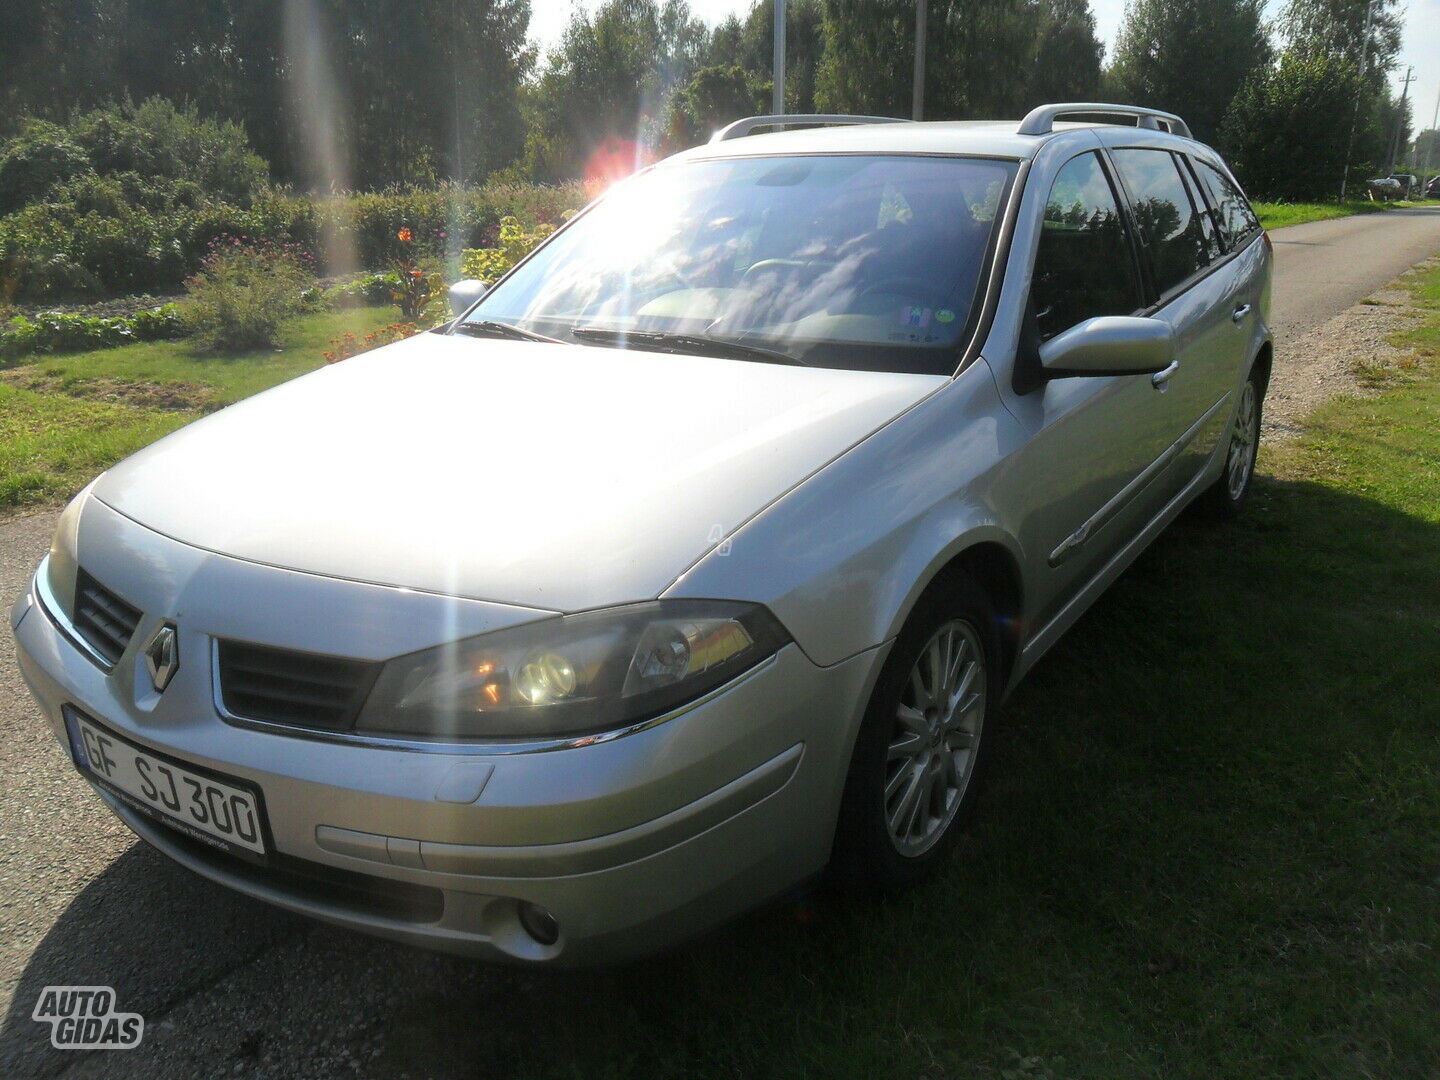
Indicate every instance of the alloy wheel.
{"type": "Point", "coordinates": [935, 738]}
{"type": "Point", "coordinates": [1242, 443]}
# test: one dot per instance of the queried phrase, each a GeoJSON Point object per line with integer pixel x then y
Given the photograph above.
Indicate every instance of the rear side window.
{"type": "Point", "coordinates": [1170, 223]}
{"type": "Point", "coordinates": [1237, 220]}
{"type": "Point", "coordinates": [1083, 267]}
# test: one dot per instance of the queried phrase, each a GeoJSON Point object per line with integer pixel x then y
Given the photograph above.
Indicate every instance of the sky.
{"type": "Point", "coordinates": [1421, 43]}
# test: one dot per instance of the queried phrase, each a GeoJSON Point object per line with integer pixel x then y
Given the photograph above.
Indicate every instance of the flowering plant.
{"type": "Point", "coordinates": [348, 345]}
{"type": "Point", "coordinates": [420, 295]}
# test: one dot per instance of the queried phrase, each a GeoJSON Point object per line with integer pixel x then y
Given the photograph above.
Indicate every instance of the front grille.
{"type": "Point", "coordinates": [106, 622]}
{"type": "Point", "coordinates": [284, 686]}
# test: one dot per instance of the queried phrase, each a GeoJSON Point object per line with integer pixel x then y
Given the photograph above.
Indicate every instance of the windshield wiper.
{"type": "Point", "coordinates": [491, 328]}
{"type": "Point", "coordinates": [700, 344]}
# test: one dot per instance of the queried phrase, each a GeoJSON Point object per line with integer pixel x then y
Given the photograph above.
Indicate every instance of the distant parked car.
{"type": "Point", "coordinates": [695, 554]}
{"type": "Point", "coordinates": [1384, 188]}
{"type": "Point", "coordinates": [1409, 183]}
{"type": "Point", "coordinates": [1432, 189]}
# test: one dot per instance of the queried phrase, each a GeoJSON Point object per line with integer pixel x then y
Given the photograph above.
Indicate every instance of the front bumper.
{"type": "Point", "coordinates": [632, 844]}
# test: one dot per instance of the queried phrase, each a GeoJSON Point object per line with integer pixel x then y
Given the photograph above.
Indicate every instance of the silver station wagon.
{"type": "Point", "coordinates": [693, 558]}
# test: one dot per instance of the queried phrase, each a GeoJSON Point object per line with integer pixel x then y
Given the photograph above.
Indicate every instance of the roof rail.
{"type": "Point", "coordinates": [1041, 120]}
{"type": "Point", "coordinates": [741, 128]}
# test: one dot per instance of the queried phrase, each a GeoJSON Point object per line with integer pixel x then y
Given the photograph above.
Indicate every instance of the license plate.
{"type": "Point", "coordinates": [219, 810]}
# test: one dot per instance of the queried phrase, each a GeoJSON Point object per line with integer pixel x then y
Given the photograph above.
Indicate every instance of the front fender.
{"type": "Point", "coordinates": [842, 559]}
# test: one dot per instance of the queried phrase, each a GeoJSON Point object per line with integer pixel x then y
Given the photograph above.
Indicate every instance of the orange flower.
{"type": "Point", "coordinates": [405, 235]}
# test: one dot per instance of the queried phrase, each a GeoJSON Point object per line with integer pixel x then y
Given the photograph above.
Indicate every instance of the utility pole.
{"type": "Point", "coordinates": [1400, 120]}
{"type": "Point", "coordinates": [1429, 145]}
{"type": "Point", "coordinates": [1355, 117]}
{"type": "Point", "coordinates": [917, 96]}
{"type": "Point", "coordinates": [777, 105]}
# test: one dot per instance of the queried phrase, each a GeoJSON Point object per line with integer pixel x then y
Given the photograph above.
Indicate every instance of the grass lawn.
{"type": "Point", "coordinates": [65, 418]}
{"type": "Point", "coordinates": [1276, 215]}
{"type": "Point", "coordinates": [1210, 847]}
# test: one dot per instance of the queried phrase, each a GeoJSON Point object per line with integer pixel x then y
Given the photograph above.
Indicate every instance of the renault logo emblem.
{"type": "Point", "coordinates": [162, 656]}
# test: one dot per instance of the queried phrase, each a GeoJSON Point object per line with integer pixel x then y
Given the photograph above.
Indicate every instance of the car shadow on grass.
{"type": "Point", "coordinates": [1207, 847]}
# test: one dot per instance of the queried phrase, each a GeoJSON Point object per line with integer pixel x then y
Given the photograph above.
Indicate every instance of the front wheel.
{"type": "Point", "coordinates": [1226, 498]}
{"type": "Point", "coordinates": [914, 774]}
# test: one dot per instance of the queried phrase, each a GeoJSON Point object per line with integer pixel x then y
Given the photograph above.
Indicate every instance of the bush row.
{"type": "Point", "coordinates": [55, 331]}
{"type": "Point", "coordinates": [59, 331]}
{"type": "Point", "coordinates": [97, 235]}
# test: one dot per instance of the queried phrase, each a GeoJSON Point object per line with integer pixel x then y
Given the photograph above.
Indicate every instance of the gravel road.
{"type": "Point", "coordinates": [228, 986]}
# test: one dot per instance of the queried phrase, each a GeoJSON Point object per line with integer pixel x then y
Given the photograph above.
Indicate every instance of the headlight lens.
{"type": "Point", "coordinates": [571, 675]}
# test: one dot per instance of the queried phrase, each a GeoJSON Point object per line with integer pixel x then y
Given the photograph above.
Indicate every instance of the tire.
{"type": "Point", "coordinates": [881, 846]}
{"type": "Point", "coordinates": [1226, 498]}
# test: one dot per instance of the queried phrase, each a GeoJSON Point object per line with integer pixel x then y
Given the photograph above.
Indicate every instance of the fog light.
{"type": "Point", "coordinates": [539, 923]}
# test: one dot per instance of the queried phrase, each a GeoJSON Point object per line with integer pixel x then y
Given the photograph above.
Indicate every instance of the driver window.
{"type": "Point", "coordinates": [1083, 267]}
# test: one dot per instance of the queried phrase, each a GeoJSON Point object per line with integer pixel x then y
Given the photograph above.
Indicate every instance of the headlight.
{"type": "Point", "coordinates": [572, 675]}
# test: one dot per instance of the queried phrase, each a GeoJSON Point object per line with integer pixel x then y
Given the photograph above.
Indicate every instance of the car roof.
{"type": "Point", "coordinates": [973, 138]}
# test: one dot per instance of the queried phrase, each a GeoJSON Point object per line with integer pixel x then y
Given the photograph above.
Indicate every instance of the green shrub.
{"type": "Point", "coordinates": [244, 293]}
{"type": "Point", "coordinates": [33, 162]}
{"type": "Point", "coordinates": [55, 331]}
{"type": "Point", "coordinates": [490, 264]}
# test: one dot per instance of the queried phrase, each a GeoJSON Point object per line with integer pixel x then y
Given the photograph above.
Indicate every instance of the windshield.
{"type": "Point", "coordinates": [849, 261]}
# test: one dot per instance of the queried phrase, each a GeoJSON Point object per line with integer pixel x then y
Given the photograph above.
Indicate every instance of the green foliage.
{"type": "Point", "coordinates": [613, 69]}
{"type": "Point", "coordinates": [56, 331]}
{"type": "Point", "coordinates": [379, 92]}
{"type": "Point", "coordinates": [34, 161]}
{"type": "Point", "coordinates": [155, 140]}
{"type": "Point", "coordinates": [516, 242]}
{"type": "Point", "coordinates": [1188, 57]}
{"type": "Point", "coordinates": [750, 46]}
{"type": "Point", "coordinates": [1277, 215]}
{"type": "Point", "coordinates": [985, 58]}
{"type": "Point", "coordinates": [714, 97]}
{"type": "Point", "coordinates": [1282, 131]}
{"type": "Point", "coordinates": [244, 294]}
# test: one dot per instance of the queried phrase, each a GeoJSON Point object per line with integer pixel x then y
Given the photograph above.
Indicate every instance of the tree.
{"type": "Point", "coordinates": [866, 66]}
{"type": "Point", "coordinates": [1067, 54]}
{"type": "Point", "coordinates": [751, 45]}
{"type": "Point", "coordinates": [433, 83]}
{"type": "Point", "coordinates": [1287, 131]}
{"type": "Point", "coordinates": [714, 97]}
{"type": "Point", "coordinates": [1188, 57]}
{"type": "Point", "coordinates": [1337, 28]}
{"type": "Point", "coordinates": [985, 58]}
{"type": "Point", "coordinates": [611, 79]}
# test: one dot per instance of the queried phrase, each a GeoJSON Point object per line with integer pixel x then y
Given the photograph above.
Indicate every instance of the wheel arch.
{"type": "Point", "coordinates": [989, 562]}
{"type": "Point", "coordinates": [1263, 363]}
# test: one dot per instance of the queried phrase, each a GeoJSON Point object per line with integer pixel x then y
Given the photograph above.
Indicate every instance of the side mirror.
{"type": "Point", "coordinates": [464, 293]}
{"type": "Point", "coordinates": [1110, 345]}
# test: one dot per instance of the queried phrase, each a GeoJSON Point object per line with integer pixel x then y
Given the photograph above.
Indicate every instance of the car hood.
{"type": "Point", "coordinates": [554, 476]}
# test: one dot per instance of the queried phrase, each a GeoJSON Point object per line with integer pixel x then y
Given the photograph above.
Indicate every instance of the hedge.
{"type": "Point", "coordinates": [93, 236]}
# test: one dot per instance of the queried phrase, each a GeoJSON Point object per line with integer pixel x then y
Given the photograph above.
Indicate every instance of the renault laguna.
{"type": "Point", "coordinates": [693, 558]}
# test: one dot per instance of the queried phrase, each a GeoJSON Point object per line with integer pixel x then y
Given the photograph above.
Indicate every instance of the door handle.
{"type": "Point", "coordinates": [1161, 378]}
{"type": "Point", "coordinates": [1239, 313]}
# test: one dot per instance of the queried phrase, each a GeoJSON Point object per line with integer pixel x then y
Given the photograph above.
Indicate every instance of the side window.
{"type": "Point", "coordinates": [1214, 245]}
{"type": "Point", "coordinates": [1171, 225]}
{"type": "Point", "coordinates": [1236, 218]}
{"type": "Point", "coordinates": [1083, 267]}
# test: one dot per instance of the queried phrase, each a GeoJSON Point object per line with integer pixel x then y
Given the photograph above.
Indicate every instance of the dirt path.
{"type": "Point", "coordinates": [1340, 356]}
